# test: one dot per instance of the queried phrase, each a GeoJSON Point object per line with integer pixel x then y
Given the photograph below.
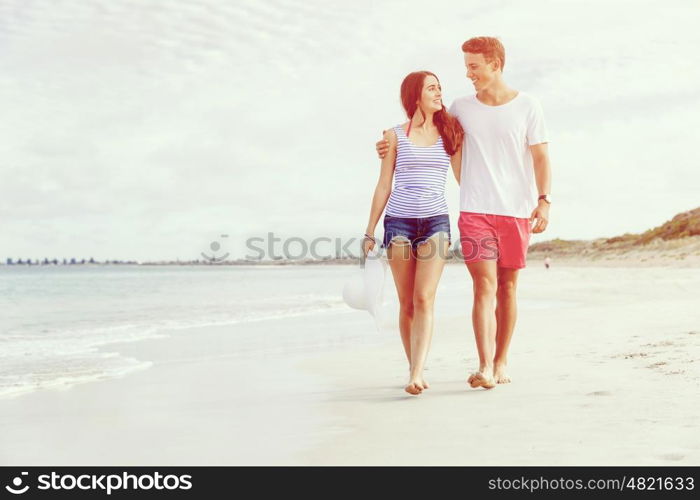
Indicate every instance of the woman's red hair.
{"type": "Point", "coordinates": [449, 128]}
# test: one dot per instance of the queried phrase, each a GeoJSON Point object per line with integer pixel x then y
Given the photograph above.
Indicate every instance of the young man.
{"type": "Point", "coordinates": [504, 188]}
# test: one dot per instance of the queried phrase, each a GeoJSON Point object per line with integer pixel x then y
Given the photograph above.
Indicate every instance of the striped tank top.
{"type": "Point", "coordinates": [420, 173]}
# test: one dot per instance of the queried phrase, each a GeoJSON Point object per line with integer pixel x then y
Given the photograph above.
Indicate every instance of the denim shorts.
{"type": "Point", "coordinates": [416, 230]}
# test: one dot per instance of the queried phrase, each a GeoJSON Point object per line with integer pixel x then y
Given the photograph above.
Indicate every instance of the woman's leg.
{"type": "Point", "coordinates": [403, 267]}
{"type": "Point", "coordinates": [430, 261]}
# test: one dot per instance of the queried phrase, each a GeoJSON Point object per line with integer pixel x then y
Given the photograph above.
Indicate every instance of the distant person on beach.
{"type": "Point", "coordinates": [504, 197]}
{"type": "Point", "coordinates": [547, 262]}
{"type": "Point", "coordinates": [418, 155]}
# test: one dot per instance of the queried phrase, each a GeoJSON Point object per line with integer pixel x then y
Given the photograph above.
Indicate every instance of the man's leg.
{"type": "Point", "coordinates": [484, 275]}
{"type": "Point", "coordinates": [514, 237]}
{"type": "Point", "coordinates": [506, 314]}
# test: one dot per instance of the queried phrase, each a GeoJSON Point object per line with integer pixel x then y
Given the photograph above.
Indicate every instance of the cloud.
{"type": "Point", "coordinates": [144, 130]}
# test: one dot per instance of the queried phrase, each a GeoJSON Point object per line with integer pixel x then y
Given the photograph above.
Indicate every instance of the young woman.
{"type": "Point", "coordinates": [416, 223]}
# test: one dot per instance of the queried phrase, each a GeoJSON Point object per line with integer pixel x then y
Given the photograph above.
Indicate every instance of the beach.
{"type": "Point", "coordinates": [604, 363]}
{"type": "Point", "coordinates": [185, 186]}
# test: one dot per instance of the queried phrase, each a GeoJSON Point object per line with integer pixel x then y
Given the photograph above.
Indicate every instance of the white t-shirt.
{"type": "Point", "coordinates": [497, 172]}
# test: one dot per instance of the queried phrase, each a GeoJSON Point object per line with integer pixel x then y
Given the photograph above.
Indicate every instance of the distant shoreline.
{"type": "Point", "coordinates": [675, 242]}
{"type": "Point", "coordinates": [644, 257]}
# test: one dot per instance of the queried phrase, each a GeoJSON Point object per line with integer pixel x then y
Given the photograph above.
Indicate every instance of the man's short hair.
{"type": "Point", "coordinates": [491, 48]}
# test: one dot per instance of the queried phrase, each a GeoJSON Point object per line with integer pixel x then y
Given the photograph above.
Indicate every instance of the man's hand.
{"type": "Point", "coordinates": [541, 215]}
{"type": "Point", "coordinates": [382, 147]}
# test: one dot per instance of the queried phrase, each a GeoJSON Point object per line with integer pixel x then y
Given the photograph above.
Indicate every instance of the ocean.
{"type": "Point", "coordinates": [55, 318]}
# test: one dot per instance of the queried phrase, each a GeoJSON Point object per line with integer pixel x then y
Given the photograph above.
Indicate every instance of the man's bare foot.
{"type": "Point", "coordinates": [471, 376]}
{"type": "Point", "coordinates": [424, 384]}
{"type": "Point", "coordinates": [499, 373]}
{"type": "Point", "coordinates": [413, 388]}
{"type": "Point", "coordinates": [479, 379]}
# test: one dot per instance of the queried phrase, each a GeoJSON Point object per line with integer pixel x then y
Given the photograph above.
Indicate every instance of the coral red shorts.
{"type": "Point", "coordinates": [494, 237]}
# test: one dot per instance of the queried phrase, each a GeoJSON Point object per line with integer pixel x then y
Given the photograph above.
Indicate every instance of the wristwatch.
{"type": "Point", "coordinates": [546, 198]}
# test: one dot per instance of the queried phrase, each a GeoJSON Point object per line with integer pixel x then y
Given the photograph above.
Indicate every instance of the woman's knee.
{"type": "Point", "coordinates": [407, 307]}
{"type": "Point", "coordinates": [423, 301]}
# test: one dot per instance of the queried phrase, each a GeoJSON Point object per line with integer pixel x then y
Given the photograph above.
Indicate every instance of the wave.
{"type": "Point", "coordinates": [43, 357]}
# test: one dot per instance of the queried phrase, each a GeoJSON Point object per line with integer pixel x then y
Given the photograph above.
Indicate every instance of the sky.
{"type": "Point", "coordinates": [149, 130]}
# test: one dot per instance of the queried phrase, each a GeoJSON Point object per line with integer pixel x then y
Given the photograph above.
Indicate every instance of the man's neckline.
{"type": "Point", "coordinates": [497, 105]}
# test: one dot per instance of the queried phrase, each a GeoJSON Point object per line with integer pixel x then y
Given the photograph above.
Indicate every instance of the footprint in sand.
{"type": "Point", "coordinates": [599, 393]}
{"type": "Point", "coordinates": [657, 364]}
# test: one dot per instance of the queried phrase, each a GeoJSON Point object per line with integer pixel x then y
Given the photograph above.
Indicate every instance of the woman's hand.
{"type": "Point", "coordinates": [456, 161]}
{"type": "Point", "coordinates": [367, 245]}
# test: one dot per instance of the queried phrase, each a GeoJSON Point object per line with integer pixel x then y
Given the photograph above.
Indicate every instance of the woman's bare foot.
{"type": "Point", "coordinates": [413, 388]}
{"type": "Point", "coordinates": [421, 383]}
{"type": "Point", "coordinates": [499, 373]}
